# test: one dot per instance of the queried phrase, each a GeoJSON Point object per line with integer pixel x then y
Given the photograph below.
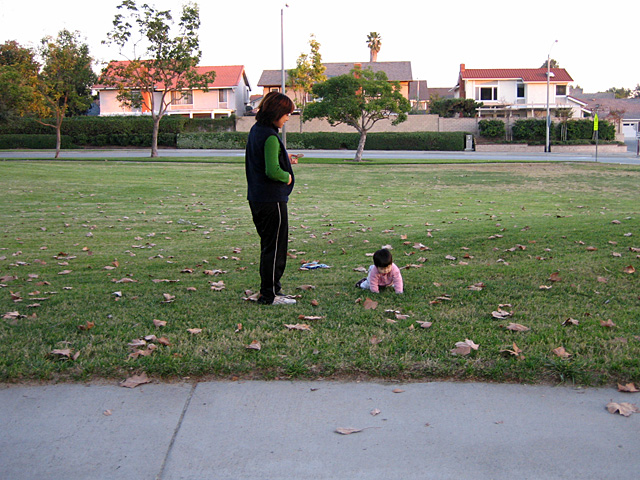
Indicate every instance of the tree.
{"type": "Point", "coordinates": [18, 79]}
{"type": "Point", "coordinates": [64, 84]}
{"type": "Point", "coordinates": [359, 99]}
{"type": "Point", "coordinates": [636, 91]}
{"type": "Point", "coordinates": [620, 92]}
{"type": "Point", "coordinates": [309, 71]}
{"type": "Point", "coordinates": [169, 63]}
{"type": "Point", "coordinates": [450, 107]}
{"type": "Point", "coordinates": [617, 116]}
{"type": "Point", "coordinates": [374, 42]}
{"type": "Point", "coordinates": [564, 114]}
{"type": "Point", "coordinates": [553, 64]}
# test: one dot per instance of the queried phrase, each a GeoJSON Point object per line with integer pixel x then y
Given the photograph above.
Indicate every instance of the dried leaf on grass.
{"type": "Point", "coordinates": [516, 351]}
{"type": "Point", "coordinates": [298, 326]}
{"type": "Point", "coordinates": [424, 324]}
{"type": "Point", "coordinates": [476, 287]}
{"type": "Point", "coordinates": [464, 348]}
{"type": "Point", "coordinates": [516, 327]}
{"type": "Point", "coordinates": [370, 304]}
{"type": "Point", "coordinates": [607, 324]}
{"type": "Point", "coordinates": [159, 323]}
{"type": "Point", "coordinates": [561, 352]}
{"type": "Point", "coordinates": [570, 321]}
{"type": "Point", "coordinates": [255, 345]}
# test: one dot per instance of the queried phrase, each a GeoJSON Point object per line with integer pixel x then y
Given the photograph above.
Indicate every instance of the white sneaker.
{"type": "Point", "coordinates": [281, 300]}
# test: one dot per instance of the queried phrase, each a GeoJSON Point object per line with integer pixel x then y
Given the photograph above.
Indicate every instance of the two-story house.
{"type": "Point", "coordinates": [271, 80]}
{"type": "Point", "coordinates": [518, 92]}
{"type": "Point", "coordinates": [227, 95]}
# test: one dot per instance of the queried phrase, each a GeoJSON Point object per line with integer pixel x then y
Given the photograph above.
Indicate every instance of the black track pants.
{"type": "Point", "coordinates": [272, 223]}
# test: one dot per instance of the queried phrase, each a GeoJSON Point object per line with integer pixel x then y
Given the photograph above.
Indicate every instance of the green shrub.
{"type": "Point", "coordinates": [529, 129]}
{"type": "Point", "coordinates": [444, 141]}
{"type": "Point", "coordinates": [33, 141]}
{"type": "Point", "coordinates": [220, 140]}
{"type": "Point", "coordinates": [492, 128]}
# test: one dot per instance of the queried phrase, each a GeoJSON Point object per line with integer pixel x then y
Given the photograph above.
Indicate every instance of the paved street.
{"type": "Point", "coordinates": [623, 158]}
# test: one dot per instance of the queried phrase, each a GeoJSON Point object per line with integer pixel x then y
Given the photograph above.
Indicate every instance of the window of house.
{"type": "Point", "coordinates": [520, 90]}
{"type": "Point", "coordinates": [561, 90]}
{"type": "Point", "coordinates": [274, 89]}
{"type": "Point", "coordinates": [487, 93]}
{"type": "Point", "coordinates": [182, 97]}
{"type": "Point", "coordinates": [222, 96]}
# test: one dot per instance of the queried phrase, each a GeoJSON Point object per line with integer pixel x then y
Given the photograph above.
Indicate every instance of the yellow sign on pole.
{"type": "Point", "coordinates": [595, 123]}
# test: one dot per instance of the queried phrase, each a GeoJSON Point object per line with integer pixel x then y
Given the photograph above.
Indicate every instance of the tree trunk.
{"type": "Point", "coordinates": [154, 136]}
{"type": "Point", "coordinates": [58, 136]}
{"type": "Point", "coordinates": [363, 139]}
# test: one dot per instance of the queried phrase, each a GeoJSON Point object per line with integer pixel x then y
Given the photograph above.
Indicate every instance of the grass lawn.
{"type": "Point", "coordinates": [94, 256]}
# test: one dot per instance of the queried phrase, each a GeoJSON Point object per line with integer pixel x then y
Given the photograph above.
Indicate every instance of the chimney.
{"type": "Point", "coordinates": [462, 67]}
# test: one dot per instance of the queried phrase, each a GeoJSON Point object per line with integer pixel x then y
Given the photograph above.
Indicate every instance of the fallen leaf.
{"type": "Point", "coordinates": [424, 324]}
{"type": "Point", "coordinates": [476, 287]}
{"type": "Point", "coordinates": [370, 304]}
{"type": "Point", "coordinates": [397, 390]}
{"type": "Point", "coordinates": [238, 328]}
{"type": "Point", "coordinates": [298, 326]}
{"type": "Point", "coordinates": [628, 388]}
{"type": "Point", "coordinates": [375, 411]}
{"type": "Point", "coordinates": [545, 287]}
{"type": "Point", "coordinates": [65, 272]}
{"type": "Point", "coordinates": [217, 286]}
{"type": "Point", "coordinates": [255, 345]}
{"type": "Point", "coordinates": [554, 277]}
{"type": "Point", "coordinates": [516, 327]}
{"type": "Point", "coordinates": [501, 314]}
{"type": "Point", "coordinates": [159, 323]}
{"type": "Point", "coordinates": [570, 321]}
{"type": "Point", "coordinates": [515, 352]}
{"type": "Point", "coordinates": [629, 269]}
{"type": "Point", "coordinates": [309, 317]}
{"type": "Point", "coordinates": [375, 340]}
{"type": "Point", "coordinates": [624, 408]}
{"type": "Point", "coordinates": [86, 326]}
{"type": "Point", "coordinates": [168, 298]}
{"type": "Point", "coordinates": [348, 431]}
{"type": "Point", "coordinates": [194, 331]}
{"type": "Point", "coordinates": [107, 413]}
{"type": "Point", "coordinates": [135, 381]}
{"type": "Point", "coordinates": [306, 287]}
{"type": "Point", "coordinates": [400, 316]}
{"type": "Point", "coordinates": [464, 348]}
{"type": "Point", "coordinates": [561, 352]}
{"type": "Point", "coordinates": [63, 352]}
{"type": "Point", "coordinates": [608, 324]}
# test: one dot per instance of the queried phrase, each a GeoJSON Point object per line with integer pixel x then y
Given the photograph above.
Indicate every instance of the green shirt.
{"type": "Point", "coordinates": [272, 160]}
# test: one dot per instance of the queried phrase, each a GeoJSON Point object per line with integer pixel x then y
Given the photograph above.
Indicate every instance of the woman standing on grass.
{"type": "Point", "coordinates": [270, 180]}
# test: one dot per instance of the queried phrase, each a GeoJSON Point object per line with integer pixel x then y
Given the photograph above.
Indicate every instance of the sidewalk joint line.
{"type": "Point", "coordinates": [176, 430]}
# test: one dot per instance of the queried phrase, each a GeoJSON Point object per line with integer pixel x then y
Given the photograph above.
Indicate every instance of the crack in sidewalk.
{"type": "Point", "coordinates": [176, 430]}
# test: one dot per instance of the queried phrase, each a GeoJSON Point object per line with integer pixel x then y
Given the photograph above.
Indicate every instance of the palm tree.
{"type": "Point", "coordinates": [374, 41]}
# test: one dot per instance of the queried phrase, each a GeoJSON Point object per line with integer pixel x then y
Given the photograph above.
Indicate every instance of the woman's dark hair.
{"type": "Point", "coordinates": [274, 106]}
{"type": "Point", "coordinates": [382, 258]}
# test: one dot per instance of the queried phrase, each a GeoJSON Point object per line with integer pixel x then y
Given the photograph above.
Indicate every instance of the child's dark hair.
{"type": "Point", "coordinates": [274, 106]}
{"type": "Point", "coordinates": [382, 258]}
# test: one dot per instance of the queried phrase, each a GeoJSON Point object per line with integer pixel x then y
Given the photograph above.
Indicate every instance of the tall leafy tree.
{"type": "Point", "coordinates": [18, 80]}
{"type": "Point", "coordinates": [64, 83]}
{"type": "Point", "coordinates": [359, 99]}
{"type": "Point", "coordinates": [553, 63]}
{"type": "Point", "coordinates": [309, 71]}
{"type": "Point", "coordinates": [374, 42]}
{"type": "Point", "coordinates": [167, 63]}
{"type": "Point", "coordinates": [620, 92]}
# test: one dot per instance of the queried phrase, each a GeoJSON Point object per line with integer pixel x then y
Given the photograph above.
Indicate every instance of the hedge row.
{"type": "Point", "coordinates": [535, 129]}
{"type": "Point", "coordinates": [443, 141]}
{"type": "Point", "coordinates": [119, 130]}
{"type": "Point", "coordinates": [34, 141]}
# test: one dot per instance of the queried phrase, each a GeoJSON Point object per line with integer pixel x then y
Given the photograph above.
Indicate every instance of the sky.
{"type": "Point", "coordinates": [594, 43]}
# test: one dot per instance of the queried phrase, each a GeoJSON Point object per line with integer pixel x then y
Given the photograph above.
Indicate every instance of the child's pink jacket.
{"type": "Point", "coordinates": [377, 279]}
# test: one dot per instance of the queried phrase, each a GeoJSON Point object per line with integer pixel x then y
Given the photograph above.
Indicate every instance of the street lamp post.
{"type": "Point", "coordinates": [546, 145]}
{"type": "Point", "coordinates": [282, 77]}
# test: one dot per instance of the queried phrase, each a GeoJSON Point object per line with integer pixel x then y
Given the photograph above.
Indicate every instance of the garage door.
{"type": "Point", "coordinates": [629, 129]}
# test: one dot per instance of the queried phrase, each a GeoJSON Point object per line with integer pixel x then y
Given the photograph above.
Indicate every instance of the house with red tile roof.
{"type": "Point", "coordinates": [228, 94]}
{"type": "Point", "coordinates": [518, 92]}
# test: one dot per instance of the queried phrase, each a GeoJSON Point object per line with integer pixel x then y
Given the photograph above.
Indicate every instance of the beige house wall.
{"type": "Point", "coordinates": [415, 123]}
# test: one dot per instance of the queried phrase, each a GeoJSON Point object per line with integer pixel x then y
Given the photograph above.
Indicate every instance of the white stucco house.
{"type": "Point", "coordinates": [518, 92]}
{"type": "Point", "coordinates": [227, 95]}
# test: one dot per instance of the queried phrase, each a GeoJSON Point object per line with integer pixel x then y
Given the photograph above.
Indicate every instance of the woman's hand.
{"type": "Point", "coordinates": [293, 157]}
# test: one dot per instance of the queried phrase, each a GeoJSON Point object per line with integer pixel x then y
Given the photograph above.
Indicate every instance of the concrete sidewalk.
{"type": "Point", "coordinates": [287, 430]}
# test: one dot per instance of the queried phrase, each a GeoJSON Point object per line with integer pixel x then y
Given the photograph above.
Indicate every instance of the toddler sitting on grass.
{"type": "Point", "coordinates": [383, 273]}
